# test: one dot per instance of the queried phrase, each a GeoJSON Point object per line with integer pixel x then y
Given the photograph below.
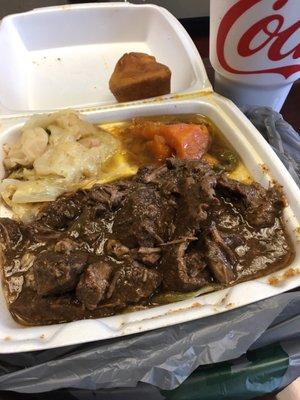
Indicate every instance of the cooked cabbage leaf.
{"type": "Point", "coordinates": [56, 153]}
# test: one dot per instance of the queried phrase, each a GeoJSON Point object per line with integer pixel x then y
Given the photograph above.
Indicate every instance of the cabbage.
{"type": "Point", "coordinates": [14, 191]}
{"type": "Point", "coordinates": [31, 145]}
{"type": "Point", "coordinates": [117, 168]}
{"type": "Point", "coordinates": [64, 127]}
{"type": "Point", "coordinates": [67, 160]}
{"type": "Point", "coordinates": [61, 123]}
{"type": "Point", "coordinates": [7, 189]}
{"type": "Point", "coordinates": [26, 212]}
{"type": "Point", "coordinates": [61, 153]}
{"type": "Point", "coordinates": [74, 161]}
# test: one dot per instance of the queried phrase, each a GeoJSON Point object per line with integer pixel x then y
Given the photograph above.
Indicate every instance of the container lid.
{"type": "Point", "coordinates": [63, 56]}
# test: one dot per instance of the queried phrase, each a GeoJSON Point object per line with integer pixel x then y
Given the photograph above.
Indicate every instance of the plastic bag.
{"type": "Point", "coordinates": [164, 357]}
{"type": "Point", "coordinates": [284, 140]}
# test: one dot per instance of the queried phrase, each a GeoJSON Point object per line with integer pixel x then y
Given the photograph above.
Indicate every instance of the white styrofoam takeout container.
{"type": "Point", "coordinates": [264, 166]}
{"type": "Point", "coordinates": [62, 56]}
{"type": "Point", "coordinates": [261, 161]}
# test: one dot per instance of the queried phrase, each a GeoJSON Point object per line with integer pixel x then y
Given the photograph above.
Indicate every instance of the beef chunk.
{"type": "Point", "coordinates": [146, 255]}
{"type": "Point", "coordinates": [262, 205]}
{"type": "Point", "coordinates": [192, 209]}
{"type": "Point", "coordinates": [182, 271]}
{"type": "Point", "coordinates": [196, 168]}
{"type": "Point", "coordinates": [196, 187]}
{"type": "Point", "coordinates": [218, 263]}
{"type": "Point", "coordinates": [11, 233]}
{"type": "Point", "coordinates": [161, 177]}
{"type": "Point", "coordinates": [117, 249]}
{"type": "Point", "coordinates": [200, 171]}
{"type": "Point", "coordinates": [65, 245]}
{"type": "Point", "coordinates": [221, 259]}
{"type": "Point", "coordinates": [101, 285]}
{"type": "Point", "coordinates": [193, 204]}
{"type": "Point", "coordinates": [189, 187]}
{"type": "Point", "coordinates": [139, 76]}
{"type": "Point", "coordinates": [57, 273]}
{"type": "Point", "coordinates": [110, 196]}
{"type": "Point", "coordinates": [57, 214]}
{"type": "Point", "coordinates": [143, 219]}
{"type": "Point", "coordinates": [93, 284]}
{"type": "Point", "coordinates": [208, 181]}
{"type": "Point", "coordinates": [233, 240]}
{"type": "Point", "coordinates": [218, 239]}
{"type": "Point", "coordinates": [171, 175]}
{"type": "Point", "coordinates": [195, 263]}
{"type": "Point", "coordinates": [36, 310]}
{"type": "Point", "coordinates": [90, 230]}
{"type": "Point", "coordinates": [132, 283]}
{"type": "Point", "coordinates": [152, 174]}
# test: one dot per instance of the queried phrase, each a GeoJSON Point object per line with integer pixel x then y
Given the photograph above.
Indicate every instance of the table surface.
{"type": "Point", "coordinates": [199, 32]}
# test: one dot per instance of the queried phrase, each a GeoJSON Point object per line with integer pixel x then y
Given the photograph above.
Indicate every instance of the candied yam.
{"type": "Point", "coordinates": [159, 148]}
{"type": "Point", "coordinates": [188, 140]}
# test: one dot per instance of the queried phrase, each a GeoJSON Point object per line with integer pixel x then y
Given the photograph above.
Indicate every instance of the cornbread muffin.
{"type": "Point", "coordinates": [139, 76]}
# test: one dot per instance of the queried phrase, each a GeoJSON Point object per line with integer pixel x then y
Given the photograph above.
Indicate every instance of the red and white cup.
{"type": "Point", "coordinates": [255, 49]}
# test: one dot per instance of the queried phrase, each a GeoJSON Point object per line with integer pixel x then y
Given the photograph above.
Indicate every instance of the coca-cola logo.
{"type": "Point", "coordinates": [276, 38]}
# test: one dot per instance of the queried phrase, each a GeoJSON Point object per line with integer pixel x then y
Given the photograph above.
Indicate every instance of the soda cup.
{"type": "Point", "coordinates": [255, 49]}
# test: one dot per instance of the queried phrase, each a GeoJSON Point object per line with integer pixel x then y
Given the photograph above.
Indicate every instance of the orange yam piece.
{"type": "Point", "coordinates": [188, 140]}
{"type": "Point", "coordinates": [146, 129]}
{"type": "Point", "coordinates": [183, 140]}
{"type": "Point", "coordinates": [139, 76]}
{"type": "Point", "coordinates": [159, 148]}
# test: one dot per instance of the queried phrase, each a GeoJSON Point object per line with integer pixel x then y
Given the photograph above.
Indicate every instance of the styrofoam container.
{"type": "Point", "coordinates": [264, 166]}
{"type": "Point", "coordinates": [64, 56]}
{"type": "Point", "coordinates": [189, 78]}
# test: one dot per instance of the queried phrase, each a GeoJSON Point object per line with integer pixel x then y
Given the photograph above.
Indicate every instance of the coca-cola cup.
{"type": "Point", "coordinates": [255, 49]}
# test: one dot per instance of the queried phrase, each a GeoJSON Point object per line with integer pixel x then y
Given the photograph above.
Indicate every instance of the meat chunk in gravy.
{"type": "Point", "coordinates": [179, 226]}
{"type": "Point", "coordinates": [143, 219]}
{"type": "Point", "coordinates": [93, 284]}
{"type": "Point", "coordinates": [132, 283]}
{"type": "Point", "coordinates": [57, 273]}
{"type": "Point", "coordinates": [261, 206]}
